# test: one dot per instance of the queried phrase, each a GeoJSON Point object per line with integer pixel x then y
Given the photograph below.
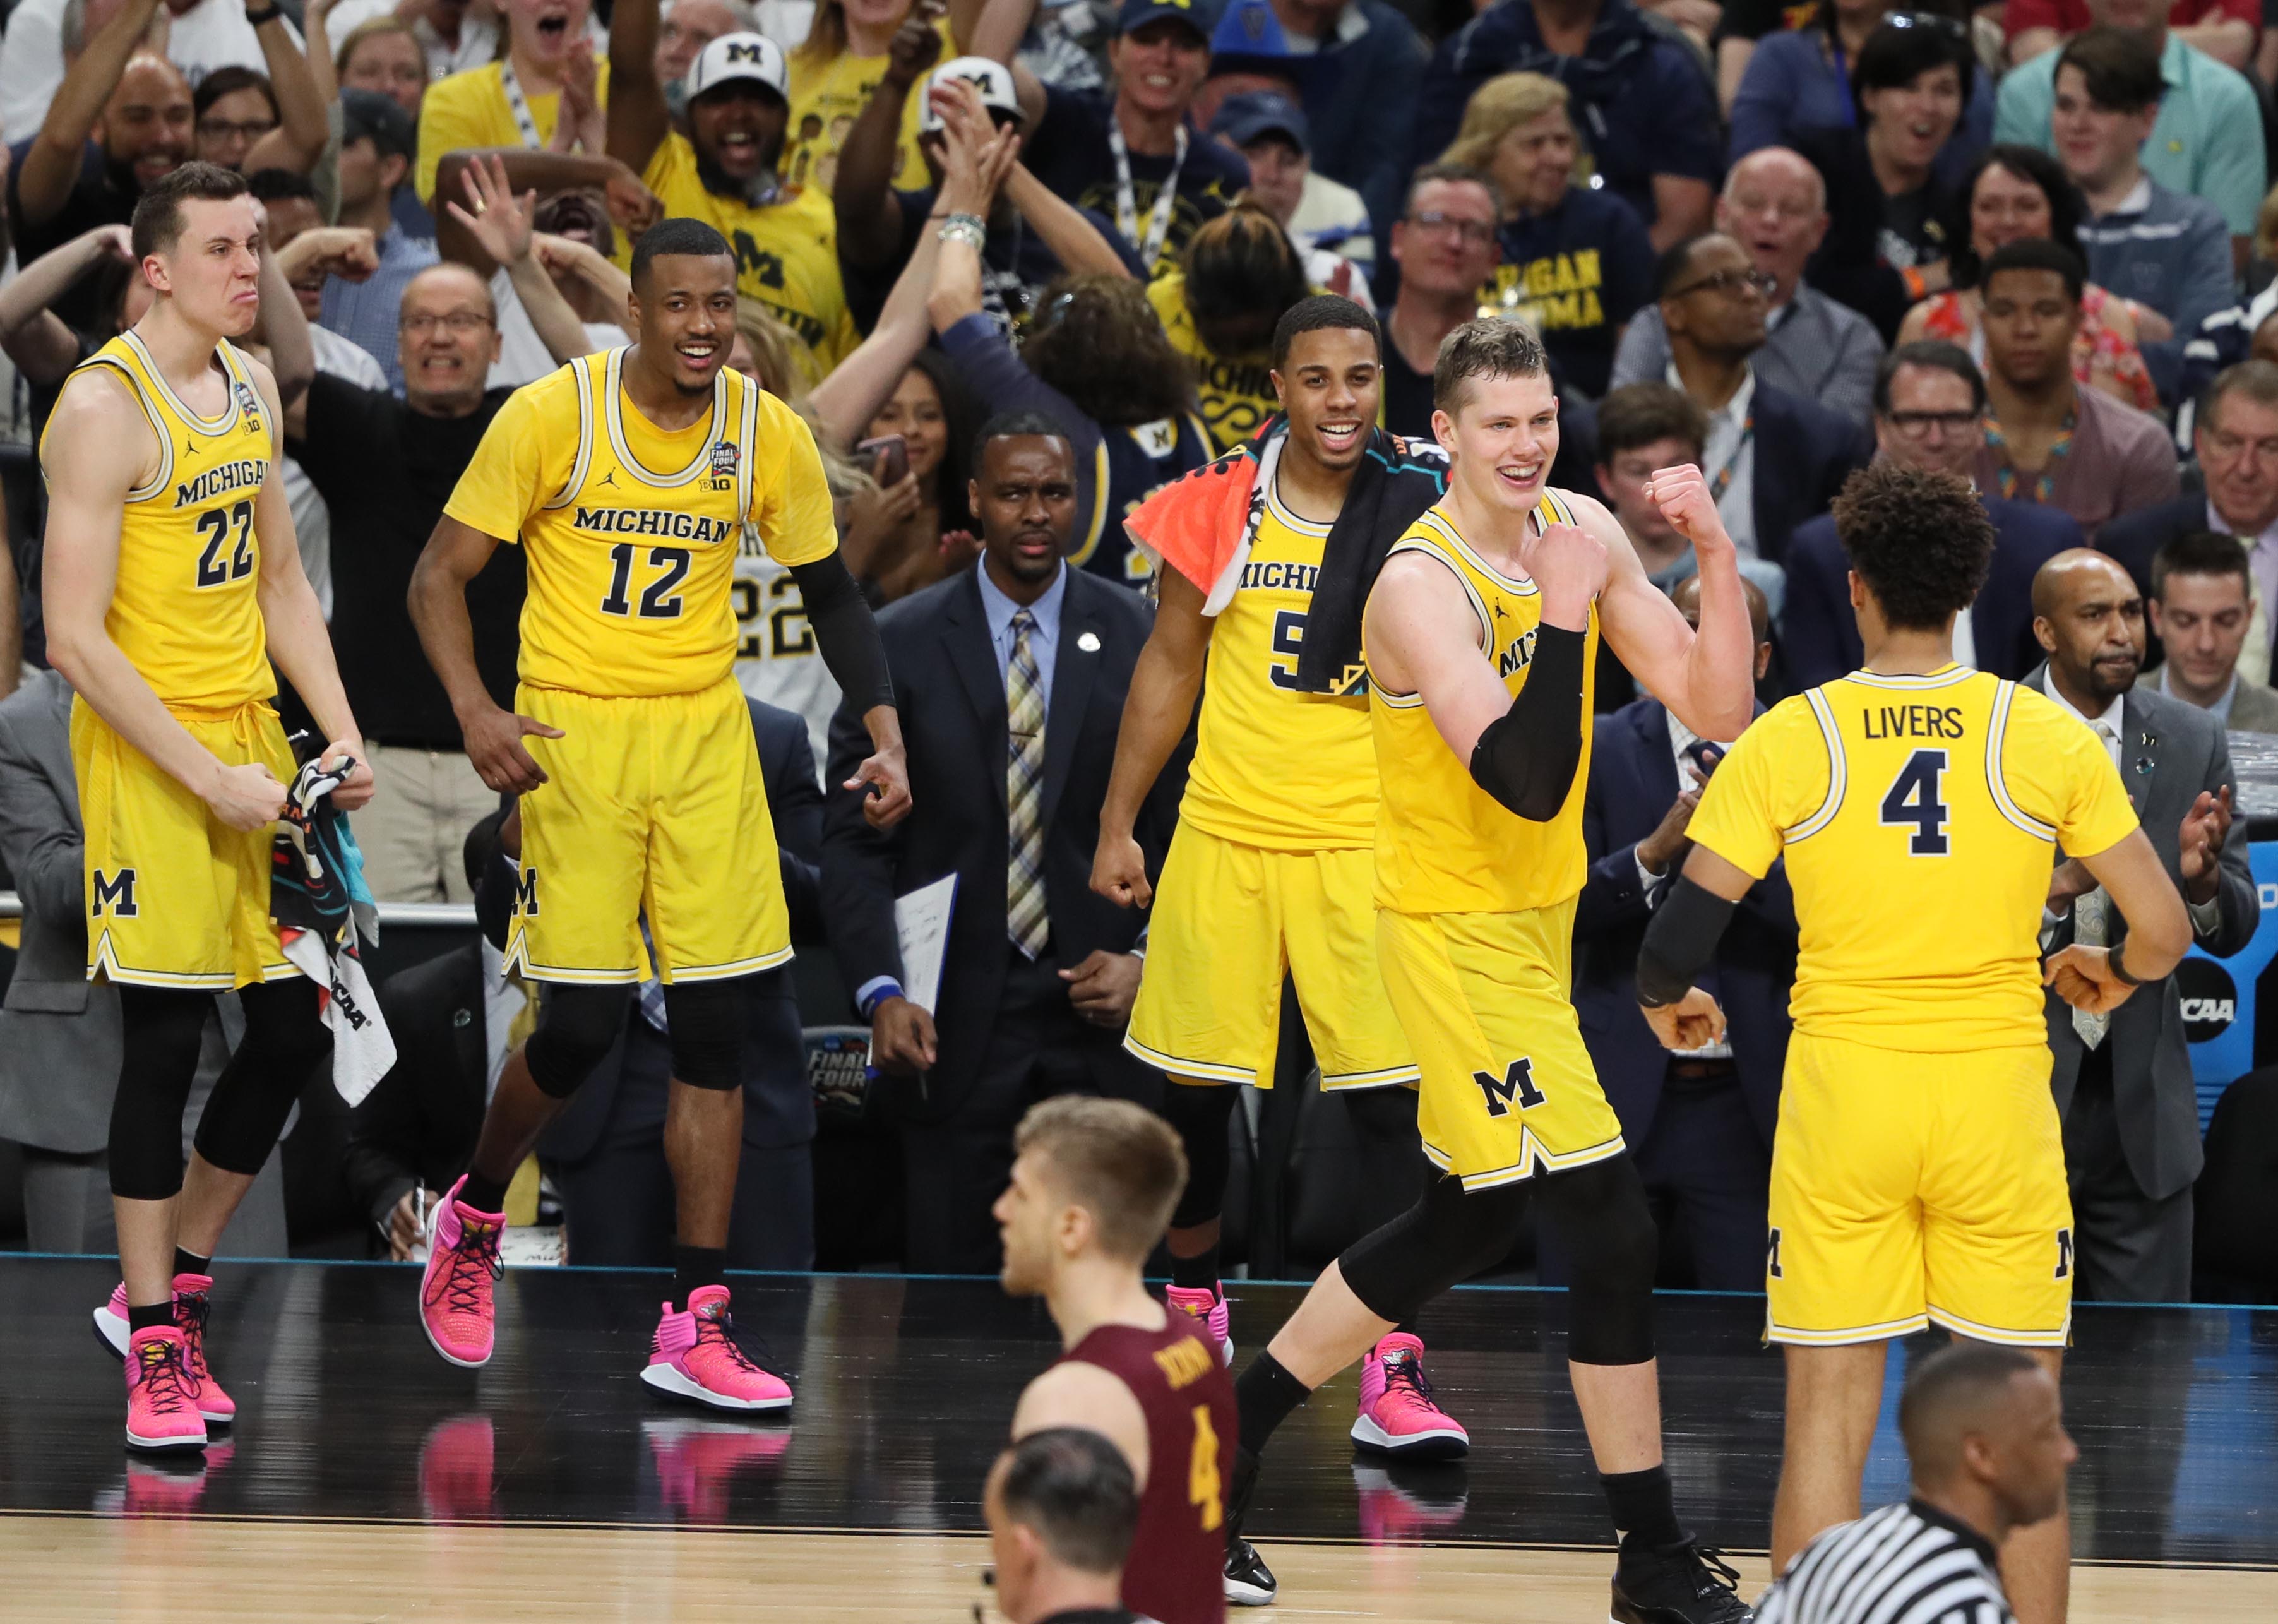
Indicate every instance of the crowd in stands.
{"type": "Point", "coordinates": [2032, 244]}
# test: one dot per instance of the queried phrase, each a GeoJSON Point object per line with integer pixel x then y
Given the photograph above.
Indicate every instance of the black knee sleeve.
{"type": "Point", "coordinates": [1201, 1116]}
{"type": "Point", "coordinates": [162, 1029]}
{"type": "Point", "coordinates": [706, 1021]}
{"type": "Point", "coordinates": [1442, 1241]}
{"type": "Point", "coordinates": [1384, 1115]}
{"type": "Point", "coordinates": [1599, 1213]}
{"type": "Point", "coordinates": [286, 1041]}
{"type": "Point", "coordinates": [575, 1026]}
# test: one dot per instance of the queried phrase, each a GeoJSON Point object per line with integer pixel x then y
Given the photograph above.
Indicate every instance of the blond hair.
{"type": "Point", "coordinates": [826, 39]}
{"type": "Point", "coordinates": [1496, 109]}
{"type": "Point", "coordinates": [1119, 1162]}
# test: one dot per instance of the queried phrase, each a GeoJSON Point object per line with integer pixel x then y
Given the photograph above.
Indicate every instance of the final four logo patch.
{"type": "Point", "coordinates": [723, 465]}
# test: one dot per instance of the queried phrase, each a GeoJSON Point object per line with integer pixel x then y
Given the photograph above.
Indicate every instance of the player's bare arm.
{"type": "Point", "coordinates": [99, 447]}
{"type": "Point", "coordinates": [1165, 680]}
{"type": "Point", "coordinates": [1081, 1395]}
{"type": "Point", "coordinates": [883, 777]}
{"type": "Point", "coordinates": [2159, 931]}
{"type": "Point", "coordinates": [1706, 677]}
{"type": "Point", "coordinates": [294, 621]}
{"type": "Point", "coordinates": [455, 554]}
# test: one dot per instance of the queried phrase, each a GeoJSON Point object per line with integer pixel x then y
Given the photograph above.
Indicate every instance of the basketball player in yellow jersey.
{"type": "Point", "coordinates": [173, 580]}
{"type": "Point", "coordinates": [1918, 1168]}
{"type": "Point", "coordinates": [1480, 636]}
{"type": "Point", "coordinates": [628, 477]}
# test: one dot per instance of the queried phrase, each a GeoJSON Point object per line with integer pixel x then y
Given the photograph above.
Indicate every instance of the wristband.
{"type": "Point", "coordinates": [2118, 970]}
{"type": "Point", "coordinates": [876, 992]}
{"type": "Point", "coordinates": [266, 14]}
{"type": "Point", "coordinates": [966, 228]}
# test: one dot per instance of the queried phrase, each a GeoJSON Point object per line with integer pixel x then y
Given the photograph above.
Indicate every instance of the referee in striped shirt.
{"type": "Point", "coordinates": [1985, 1432]}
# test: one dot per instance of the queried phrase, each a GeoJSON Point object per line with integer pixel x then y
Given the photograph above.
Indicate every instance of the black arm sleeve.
{"type": "Point", "coordinates": [1528, 756]}
{"type": "Point", "coordinates": [1679, 941]}
{"type": "Point", "coordinates": [843, 630]}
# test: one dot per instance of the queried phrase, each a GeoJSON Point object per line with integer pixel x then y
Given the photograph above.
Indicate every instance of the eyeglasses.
{"type": "Point", "coordinates": [1920, 422]}
{"type": "Point", "coordinates": [222, 129]}
{"type": "Point", "coordinates": [1730, 282]}
{"type": "Point", "coordinates": [459, 322]}
{"type": "Point", "coordinates": [1437, 219]}
{"type": "Point", "coordinates": [1949, 26]}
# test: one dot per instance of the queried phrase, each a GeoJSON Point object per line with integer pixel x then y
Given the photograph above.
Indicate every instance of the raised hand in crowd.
{"type": "Point", "coordinates": [349, 252]}
{"type": "Point", "coordinates": [580, 128]}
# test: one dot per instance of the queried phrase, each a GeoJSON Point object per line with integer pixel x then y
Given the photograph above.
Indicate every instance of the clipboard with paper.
{"type": "Point", "coordinates": [921, 923]}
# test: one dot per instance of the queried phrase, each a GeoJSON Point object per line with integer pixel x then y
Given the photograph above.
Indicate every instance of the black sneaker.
{"type": "Point", "coordinates": [1249, 1581]}
{"type": "Point", "coordinates": [1673, 1584]}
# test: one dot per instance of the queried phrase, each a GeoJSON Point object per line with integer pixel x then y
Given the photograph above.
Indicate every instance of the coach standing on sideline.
{"type": "Point", "coordinates": [1040, 973]}
{"type": "Point", "coordinates": [2123, 1081]}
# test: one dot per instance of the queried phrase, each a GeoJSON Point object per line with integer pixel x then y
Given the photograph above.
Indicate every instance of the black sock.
{"type": "Point", "coordinates": [191, 1263]}
{"type": "Point", "coordinates": [484, 1195]}
{"type": "Point", "coordinates": [694, 1267]}
{"type": "Point", "coordinates": [1198, 1273]}
{"type": "Point", "coordinates": [1262, 1398]}
{"type": "Point", "coordinates": [145, 1318]}
{"type": "Point", "coordinates": [1407, 1327]}
{"type": "Point", "coordinates": [1644, 1506]}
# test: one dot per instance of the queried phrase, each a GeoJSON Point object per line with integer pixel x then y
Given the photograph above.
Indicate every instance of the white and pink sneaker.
{"type": "Point", "coordinates": [192, 1302]}
{"type": "Point", "coordinates": [1208, 1306]}
{"type": "Point", "coordinates": [696, 1356]}
{"type": "Point", "coordinates": [1397, 1415]}
{"type": "Point", "coordinates": [457, 1306]}
{"type": "Point", "coordinates": [162, 1407]}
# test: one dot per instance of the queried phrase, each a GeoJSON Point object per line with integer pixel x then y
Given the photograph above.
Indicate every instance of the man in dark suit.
{"type": "Point", "coordinates": [606, 1150]}
{"type": "Point", "coordinates": [1772, 460]}
{"type": "Point", "coordinates": [1929, 412]}
{"type": "Point", "coordinates": [1700, 1124]}
{"type": "Point", "coordinates": [2123, 1081]}
{"type": "Point", "coordinates": [1039, 973]}
{"type": "Point", "coordinates": [2236, 440]}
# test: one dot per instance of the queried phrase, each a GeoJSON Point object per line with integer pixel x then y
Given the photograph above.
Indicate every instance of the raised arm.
{"type": "Point", "coordinates": [639, 121]}
{"type": "Point", "coordinates": [37, 340]}
{"type": "Point", "coordinates": [1157, 709]}
{"type": "Point", "coordinates": [299, 139]}
{"type": "Point", "coordinates": [997, 34]}
{"type": "Point", "coordinates": [1707, 677]}
{"type": "Point", "coordinates": [862, 193]}
{"type": "Point", "coordinates": [1065, 228]}
{"type": "Point", "coordinates": [284, 327]}
{"type": "Point", "coordinates": [498, 227]}
{"type": "Point", "coordinates": [318, 37]}
{"type": "Point", "coordinates": [632, 205]}
{"type": "Point", "coordinates": [51, 163]}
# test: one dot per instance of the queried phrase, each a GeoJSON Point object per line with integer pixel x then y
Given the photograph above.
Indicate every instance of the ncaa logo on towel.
{"type": "Point", "coordinates": [723, 465]}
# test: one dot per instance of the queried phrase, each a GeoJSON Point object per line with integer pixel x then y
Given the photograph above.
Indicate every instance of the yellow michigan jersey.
{"type": "Point", "coordinates": [175, 898]}
{"type": "Point", "coordinates": [1444, 844]}
{"type": "Point", "coordinates": [631, 531]}
{"type": "Point", "coordinates": [1917, 815]}
{"type": "Point", "coordinates": [470, 109]}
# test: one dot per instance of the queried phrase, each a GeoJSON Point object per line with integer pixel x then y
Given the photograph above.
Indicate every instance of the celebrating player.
{"type": "Point", "coordinates": [1093, 1182]}
{"type": "Point", "coordinates": [1918, 1172]}
{"type": "Point", "coordinates": [1268, 554]}
{"type": "Point", "coordinates": [1480, 638]}
{"type": "Point", "coordinates": [628, 476]}
{"type": "Point", "coordinates": [173, 580]}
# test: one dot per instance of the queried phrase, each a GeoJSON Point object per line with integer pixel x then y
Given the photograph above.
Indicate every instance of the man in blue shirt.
{"type": "Point", "coordinates": [378, 141]}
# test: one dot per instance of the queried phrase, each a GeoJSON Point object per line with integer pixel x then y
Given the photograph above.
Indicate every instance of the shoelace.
{"type": "Point", "coordinates": [720, 1330]}
{"type": "Point", "coordinates": [1408, 1372]}
{"type": "Point", "coordinates": [164, 1379]}
{"type": "Point", "coordinates": [1715, 1573]}
{"type": "Point", "coordinates": [190, 1310]}
{"type": "Point", "coordinates": [472, 1261]}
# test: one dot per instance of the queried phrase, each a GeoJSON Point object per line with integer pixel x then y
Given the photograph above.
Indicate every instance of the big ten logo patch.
{"type": "Point", "coordinates": [1556, 292]}
{"type": "Point", "coordinates": [723, 465]}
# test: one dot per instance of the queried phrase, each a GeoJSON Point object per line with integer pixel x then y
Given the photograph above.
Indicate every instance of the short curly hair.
{"type": "Point", "coordinates": [1920, 540]}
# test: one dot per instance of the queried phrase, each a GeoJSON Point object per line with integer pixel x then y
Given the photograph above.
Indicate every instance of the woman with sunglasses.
{"type": "Point", "coordinates": [2010, 194]}
{"type": "Point", "coordinates": [1805, 80]}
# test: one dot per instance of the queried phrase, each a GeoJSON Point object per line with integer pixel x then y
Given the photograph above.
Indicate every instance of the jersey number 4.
{"type": "Point", "coordinates": [1916, 798]}
{"type": "Point", "coordinates": [657, 601]}
{"type": "Point", "coordinates": [1204, 1488]}
{"type": "Point", "coordinates": [215, 569]}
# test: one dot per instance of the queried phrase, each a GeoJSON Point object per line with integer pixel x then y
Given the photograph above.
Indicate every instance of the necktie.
{"type": "Point", "coordinates": [2091, 927]}
{"type": "Point", "coordinates": [1024, 794]}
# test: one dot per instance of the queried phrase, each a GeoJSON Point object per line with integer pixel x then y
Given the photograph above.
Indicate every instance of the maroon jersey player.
{"type": "Point", "coordinates": [1093, 1182]}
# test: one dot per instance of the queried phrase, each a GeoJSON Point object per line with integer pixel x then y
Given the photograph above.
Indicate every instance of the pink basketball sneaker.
{"type": "Point", "coordinates": [161, 1406]}
{"type": "Point", "coordinates": [1210, 1307]}
{"type": "Point", "coordinates": [696, 1356]}
{"type": "Point", "coordinates": [191, 1305]}
{"type": "Point", "coordinates": [456, 1304]}
{"type": "Point", "coordinates": [1397, 1416]}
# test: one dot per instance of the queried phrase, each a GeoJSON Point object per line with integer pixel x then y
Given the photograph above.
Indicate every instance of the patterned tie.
{"type": "Point", "coordinates": [2091, 927]}
{"type": "Point", "coordinates": [1024, 794]}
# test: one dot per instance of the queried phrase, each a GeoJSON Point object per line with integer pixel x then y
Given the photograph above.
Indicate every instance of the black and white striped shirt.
{"type": "Point", "coordinates": [1909, 1564]}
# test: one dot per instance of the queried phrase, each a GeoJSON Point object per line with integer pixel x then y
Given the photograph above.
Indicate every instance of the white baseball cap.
{"type": "Point", "coordinates": [992, 79]}
{"type": "Point", "coordinates": [740, 56]}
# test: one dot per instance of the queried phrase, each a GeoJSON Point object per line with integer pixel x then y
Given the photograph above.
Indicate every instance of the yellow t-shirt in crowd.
{"type": "Point", "coordinates": [1918, 816]}
{"type": "Point", "coordinates": [469, 111]}
{"type": "Point", "coordinates": [786, 254]}
{"type": "Point", "coordinates": [827, 94]}
{"type": "Point", "coordinates": [1237, 391]}
{"type": "Point", "coordinates": [631, 531]}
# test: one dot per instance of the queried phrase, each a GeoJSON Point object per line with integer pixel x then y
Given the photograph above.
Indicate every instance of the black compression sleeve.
{"type": "Point", "coordinates": [1527, 757]}
{"type": "Point", "coordinates": [844, 631]}
{"type": "Point", "coordinates": [1679, 941]}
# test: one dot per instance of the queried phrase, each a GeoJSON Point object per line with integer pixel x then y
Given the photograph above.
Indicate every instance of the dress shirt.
{"type": "Point", "coordinates": [2220, 710]}
{"type": "Point", "coordinates": [2207, 917]}
{"type": "Point", "coordinates": [2262, 563]}
{"type": "Point", "coordinates": [366, 312]}
{"type": "Point", "coordinates": [1043, 641]}
{"type": "Point", "coordinates": [1814, 349]}
{"type": "Point", "coordinates": [1726, 449]}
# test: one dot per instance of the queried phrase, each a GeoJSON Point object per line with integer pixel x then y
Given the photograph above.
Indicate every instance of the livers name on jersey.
{"type": "Point", "coordinates": [1911, 722]}
{"type": "Point", "coordinates": [244, 475]}
{"type": "Point", "coordinates": [654, 522]}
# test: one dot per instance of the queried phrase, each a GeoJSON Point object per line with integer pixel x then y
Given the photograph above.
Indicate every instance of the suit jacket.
{"type": "Point", "coordinates": [418, 1125]}
{"type": "Point", "coordinates": [1633, 783]}
{"type": "Point", "coordinates": [1803, 454]}
{"type": "Point", "coordinates": [2253, 708]}
{"type": "Point", "coordinates": [2169, 752]}
{"type": "Point", "coordinates": [1820, 634]}
{"type": "Point", "coordinates": [952, 705]}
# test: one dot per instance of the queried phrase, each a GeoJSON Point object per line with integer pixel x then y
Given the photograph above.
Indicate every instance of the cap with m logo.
{"type": "Point", "coordinates": [734, 57]}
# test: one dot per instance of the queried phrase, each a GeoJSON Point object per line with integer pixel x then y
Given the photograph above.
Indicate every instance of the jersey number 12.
{"type": "Point", "coordinates": [1916, 798]}
{"type": "Point", "coordinates": [657, 599]}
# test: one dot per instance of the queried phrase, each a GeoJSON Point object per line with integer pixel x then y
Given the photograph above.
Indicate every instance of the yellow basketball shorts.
{"type": "Point", "coordinates": [1486, 1001]}
{"type": "Point", "coordinates": [653, 805]}
{"type": "Point", "coordinates": [176, 897]}
{"type": "Point", "coordinates": [1229, 921]}
{"type": "Point", "coordinates": [1913, 1188]}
